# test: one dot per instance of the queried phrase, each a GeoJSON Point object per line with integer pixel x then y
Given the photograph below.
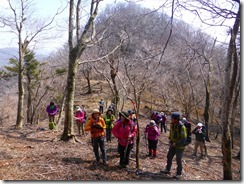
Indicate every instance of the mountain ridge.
{"type": "Point", "coordinates": [12, 52]}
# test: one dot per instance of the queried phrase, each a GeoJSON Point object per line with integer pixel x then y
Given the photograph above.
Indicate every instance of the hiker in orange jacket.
{"type": "Point", "coordinates": [97, 127]}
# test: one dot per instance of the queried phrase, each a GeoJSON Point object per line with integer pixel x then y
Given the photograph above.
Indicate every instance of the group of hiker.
{"type": "Point", "coordinates": [125, 129]}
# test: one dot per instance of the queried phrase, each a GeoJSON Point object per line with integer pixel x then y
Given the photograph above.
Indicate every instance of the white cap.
{"type": "Point", "coordinates": [78, 108]}
{"type": "Point", "coordinates": [152, 122]}
{"type": "Point", "coordinates": [184, 119]}
{"type": "Point", "coordinates": [200, 124]}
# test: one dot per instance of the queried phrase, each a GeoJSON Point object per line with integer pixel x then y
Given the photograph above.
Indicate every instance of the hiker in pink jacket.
{"type": "Point", "coordinates": [152, 133]}
{"type": "Point", "coordinates": [79, 119]}
{"type": "Point", "coordinates": [125, 130]}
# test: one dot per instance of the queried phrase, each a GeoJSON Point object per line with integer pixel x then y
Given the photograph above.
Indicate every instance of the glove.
{"type": "Point", "coordinates": [93, 126]}
{"type": "Point", "coordinates": [97, 126]}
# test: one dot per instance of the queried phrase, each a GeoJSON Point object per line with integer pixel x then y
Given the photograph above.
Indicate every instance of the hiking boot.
{"type": "Point", "coordinates": [177, 176]}
{"type": "Point", "coordinates": [165, 171]}
{"type": "Point", "coordinates": [95, 163]}
{"type": "Point", "coordinates": [105, 163]}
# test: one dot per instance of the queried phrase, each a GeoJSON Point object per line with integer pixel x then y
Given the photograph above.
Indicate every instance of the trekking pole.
{"type": "Point", "coordinates": [205, 148]}
{"type": "Point", "coordinates": [145, 141]}
{"type": "Point", "coordinates": [126, 148]}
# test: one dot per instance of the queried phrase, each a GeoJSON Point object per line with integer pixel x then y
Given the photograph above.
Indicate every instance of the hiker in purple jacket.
{"type": "Point", "coordinates": [52, 110]}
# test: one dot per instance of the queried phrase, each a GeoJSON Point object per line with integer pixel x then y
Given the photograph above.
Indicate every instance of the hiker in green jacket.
{"type": "Point", "coordinates": [109, 119]}
{"type": "Point", "coordinates": [177, 137]}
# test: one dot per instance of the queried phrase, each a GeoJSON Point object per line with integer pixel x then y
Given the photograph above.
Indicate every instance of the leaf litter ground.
{"type": "Point", "coordinates": [36, 153]}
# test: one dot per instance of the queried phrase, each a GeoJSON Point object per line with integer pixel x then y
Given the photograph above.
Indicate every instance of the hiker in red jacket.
{"type": "Point", "coordinates": [125, 130]}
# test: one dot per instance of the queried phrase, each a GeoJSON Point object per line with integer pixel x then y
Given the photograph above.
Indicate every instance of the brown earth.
{"type": "Point", "coordinates": [36, 153]}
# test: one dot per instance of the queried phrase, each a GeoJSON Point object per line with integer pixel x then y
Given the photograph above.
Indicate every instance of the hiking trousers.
{"type": "Point", "coordinates": [163, 126]}
{"type": "Point", "coordinates": [51, 118]}
{"type": "Point", "coordinates": [171, 153]}
{"type": "Point", "coordinates": [152, 144]}
{"type": "Point", "coordinates": [99, 142]}
{"type": "Point", "coordinates": [108, 134]}
{"type": "Point", "coordinates": [101, 109]}
{"type": "Point", "coordinates": [201, 145]}
{"type": "Point", "coordinates": [124, 154]}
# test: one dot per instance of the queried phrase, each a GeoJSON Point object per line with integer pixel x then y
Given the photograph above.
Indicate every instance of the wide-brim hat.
{"type": "Point", "coordinates": [124, 114]}
{"type": "Point", "coordinates": [96, 111]}
{"type": "Point", "coordinates": [109, 109]}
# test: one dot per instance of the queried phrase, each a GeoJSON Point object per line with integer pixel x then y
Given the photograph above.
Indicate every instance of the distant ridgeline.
{"type": "Point", "coordinates": [6, 54]}
{"type": "Point", "coordinates": [12, 52]}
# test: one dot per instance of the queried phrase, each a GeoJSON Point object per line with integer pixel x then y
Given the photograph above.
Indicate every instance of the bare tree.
{"type": "Point", "coordinates": [75, 51]}
{"type": "Point", "coordinates": [230, 82]}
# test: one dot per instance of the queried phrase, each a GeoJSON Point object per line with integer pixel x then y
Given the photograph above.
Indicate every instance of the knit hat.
{"type": "Point", "coordinates": [175, 115]}
{"type": "Point", "coordinates": [96, 111]}
{"type": "Point", "coordinates": [200, 124]}
{"type": "Point", "coordinates": [152, 123]}
{"type": "Point", "coordinates": [124, 114]}
{"type": "Point", "coordinates": [130, 112]}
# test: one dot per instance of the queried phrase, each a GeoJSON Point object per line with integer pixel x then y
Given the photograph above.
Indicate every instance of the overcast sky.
{"type": "Point", "coordinates": [47, 8]}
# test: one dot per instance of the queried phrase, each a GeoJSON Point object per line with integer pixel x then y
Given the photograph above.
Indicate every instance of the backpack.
{"type": "Point", "coordinates": [85, 115]}
{"type": "Point", "coordinates": [187, 124]}
{"type": "Point", "coordinates": [154, 116]}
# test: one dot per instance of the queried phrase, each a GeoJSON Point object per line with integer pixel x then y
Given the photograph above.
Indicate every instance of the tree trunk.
{"type": "Point", "coordinates": [89, 91]}
{"type": "Point", "coordinates": [227, 98]}
{"type": "Point", "coordinates": [69, 102]}
{"type": "Point", "coordinates": [191, 99]}
{"type": "Point", "coordinates": [19, 121]}
{"type": "Point", "coordinates": [29, 100]}
{"type": "Point", "coordinates": [87, 74]}
{"type": "Point", "coordinates": [116, 98]}
{"type": "Point", "coordinates": [137, 135]}
{"type": "Point", "coordinates": [236, 92]}
{"type": "Point", "coordinates": [233, 115]}
{"type": "Point", "coordinates": [206, 111]}
{"type": "Point", "coordinates": [62, 107]}
{"type": "Point", "coordinates": [208, 85]}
